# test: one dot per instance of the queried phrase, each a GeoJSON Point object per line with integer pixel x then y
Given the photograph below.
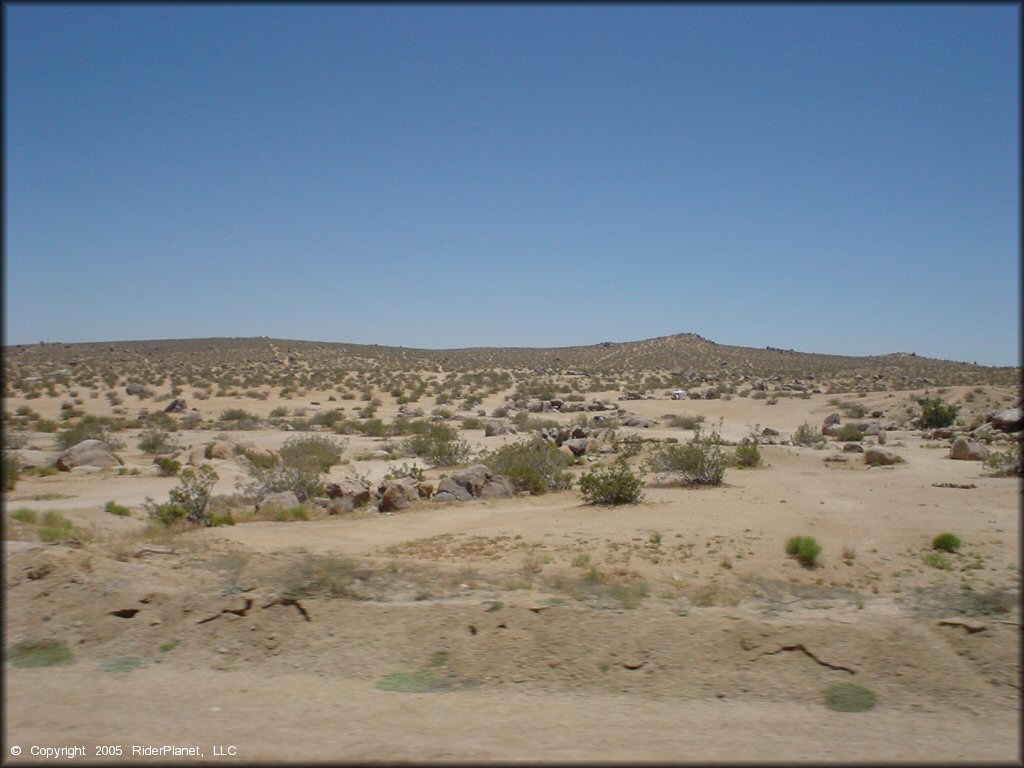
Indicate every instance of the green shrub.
{"type": "Point", "coordinates": [1009, 463]}
{"type": "Point", "coordinates": [748, 455]}
{"type": "Point", "coordinates": [849, 697]}
{"type": "Point", "coordinates": [805, 549]}
{"type": "Point", "coordinates": [116, 509]}
{"type": "Point", "coordinates": [946, 542]}
{"type": "Point", "coordinates": [935, 413]}
{"type": "Point", "coordinates": [39, 653]}
{"type": "Point", "coordinates": [533, 465]}
{"type": "Point", "coordinates": [291, 514]}
{"type": "Point", "coordinates": [86, 428]}
{"type": "Point", "coordinates": [54, 528]}
{"type": "Point", "coordinates": [807, 436]}
{"type": "Point", "coordinates": [24, 515]}
{"type": "Point", "coordinates": [167, 466]}
{"type": "Point", "coordinates": [190, 500]}
{"type": "Point", "coordinates": [853, 410]}
{"type": "Point", "coordinates": [277, 478]}
{"type": "Point", "coordinates": [311, 453]}
{"type": "Point", "coordinates": [938, 560]}
{"type": "Point", "coordinates": [440, 445]}
{"type": "Point", "coordinates": [614, 485]}
{"type": "Point", "coordinates": [154, 441]}
{"type": "Point", "coordinates": [684, 422]}
{"type": "Point", "coordinates": [472, 422]}
{"type": "Point", "coordinates": [700, 461]}
{"type": "Point", "coordinates": [629, 446]}
{"type": "Point", "coordinates": [849, 433]}
{"type": "Point", "coordinates": [11, 473]}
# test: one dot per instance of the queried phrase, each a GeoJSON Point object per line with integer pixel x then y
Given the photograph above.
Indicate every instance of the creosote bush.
{"type": "Point", "coordinates": [947, 542]}
{"type": "Point", "coordinates": [936, 413]}
{"type": "Point", "coordinates": [614, 485]}
{"type": "Point", "coordinates": [805, 549]}
{"type": "Point", "coordinates": [533, 465]}
{"type": "Point", "coordinates": [189, 501]}
{"type": "Point", "coordinates": [700, 461]}
{"type": "Point", "coordinates": [439, 444]}
{"type": "Point", "coordinates": [807, 436]}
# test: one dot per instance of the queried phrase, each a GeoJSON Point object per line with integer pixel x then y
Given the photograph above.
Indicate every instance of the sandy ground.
{"type": "Point", "coordinates": [727, 656]}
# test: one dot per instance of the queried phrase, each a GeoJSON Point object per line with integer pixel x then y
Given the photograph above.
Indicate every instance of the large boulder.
{"type": "Point", "coordinates": [480, 482]}
{"type": "Point", "coordinates": [968, 450]}
{"type": "Point", "coordinates": [88, 453]}
{"type": "Point", "coordinates": [472, 478]}
{"type": "Point", "coordinates": [398, 494]}
{"type": "Point", "coordinates": [352, 490]}
{"type": "Point", "coordinates": [830, 420]}
{"type": "Point", "coordinates": [497, 487]}
{"type": "Point", "coordinates": [221, 449]}
{"type": "Point", "coordinates": [276, 502]}
{"type": "Point", "coordinates": [1010, 420]}
{"type": "Point", "coordinates": [135, 389]}
{"type": "Point", "coordinates": [177, 405]}
{"type": "Point", "coordinates": [448, 489]}
{"type": "Point", "coordinates": [578, 446]}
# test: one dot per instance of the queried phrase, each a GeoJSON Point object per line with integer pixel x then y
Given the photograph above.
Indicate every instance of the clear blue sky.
{"type": "Point", "coordinates": [838, 179]}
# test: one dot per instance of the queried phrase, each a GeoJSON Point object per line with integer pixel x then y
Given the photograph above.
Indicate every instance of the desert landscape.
{"type": "Point", "coordinates": [666, 550]}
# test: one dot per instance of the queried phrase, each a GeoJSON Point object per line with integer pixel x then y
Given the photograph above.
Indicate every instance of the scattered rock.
{"type": "Point", "coordinates": [177, 406]}
{"type": "Point", "coordinates": [853, 448]}
{"type": "Point", "coordinates": [876, 456]}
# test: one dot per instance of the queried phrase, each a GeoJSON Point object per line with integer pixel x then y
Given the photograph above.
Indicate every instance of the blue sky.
{"type": "Point", "coordinates": [827, 178]}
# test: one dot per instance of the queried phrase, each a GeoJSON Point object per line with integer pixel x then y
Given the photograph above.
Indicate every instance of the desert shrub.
{"type": "Point", "coordinates": [154, 441]}
{"type": "Point", "coordinates": [14, 440]}
{"type": "Point", "coordinates": [805, 549]}
{"type": "Point", "coordinates": [279, 412]}
{"type": "Point", "coordinates": [55, 528]}
{"type": "Point", "coordinates": [311, 453]}
{"type": "Point", "coordinates": [533, 465]}
{"type": "Point", "coordinates": [849, 433]}
{"type": "Point", "coordinates": [937, 413]}
{"type": "Point", "coordinates": [748, 455]}
{"type": "Point", "coordinates": [853, 410]}
{"type": "Point", "coordinates": [700, 461]}
{"type": "Point", "coordinates": [278, 478]}
{"type": "Point", "coordinates": [684, 421]}
{"type": "Point", "coordinates": [12, 471]}
{"type": "Point", "coordinates": [189, 501]}
{"type": "Point", "coordinates": [807, 435]}
{"type": "Point", "coordinates": [615, 485]}
{"type": "Point", "coordinates": [440, 445]}
{"type": "Point", "coordinates": [472, 422]}
{"type": "Point", "coordinates": [24, 515]}
{"type": "Point", "coordinates": [86, 428]}
{"type": "Point", "coordinates": [629, 446]}
{"type": "Point", "coordinates": [1008, 463]}
{"type": "Point", "coordinates": [524, 422]}
{"type": "Point", "coordinates": [849, 697]}
{"type": "Point", "coordinates": [39, 653]}
{"type": "Point", "coordinates": [116, 509]}
{"type": "Point", "coordinates": [167, 466]}
{"type": "Point", "coordinates": [938, 560]}
{"type": "Point", "coordinates": [947, 542]}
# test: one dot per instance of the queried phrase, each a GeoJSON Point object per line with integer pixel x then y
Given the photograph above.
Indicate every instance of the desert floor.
{"type": "Point", "coordinates": [513, 629]}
